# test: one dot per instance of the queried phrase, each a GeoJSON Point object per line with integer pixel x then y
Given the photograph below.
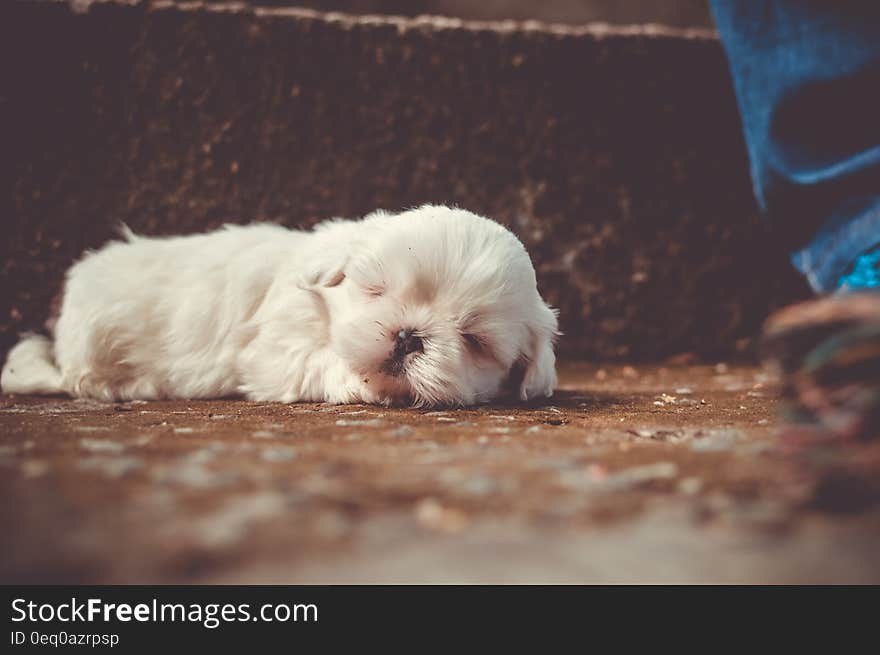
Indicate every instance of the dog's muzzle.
{"type": "Point", "coordinates": [405, 344]}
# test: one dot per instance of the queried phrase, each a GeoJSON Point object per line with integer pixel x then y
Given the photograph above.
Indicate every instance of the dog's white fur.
{"type": "Point", "coordinates": [283, 315]}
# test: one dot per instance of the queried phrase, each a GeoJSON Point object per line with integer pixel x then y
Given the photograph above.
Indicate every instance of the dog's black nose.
{"type": "Point", "coordinates": [407, 342]}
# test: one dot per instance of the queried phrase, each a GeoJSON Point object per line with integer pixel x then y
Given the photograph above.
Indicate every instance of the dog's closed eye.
{"type": "Point", "coordinates": [476, 344]}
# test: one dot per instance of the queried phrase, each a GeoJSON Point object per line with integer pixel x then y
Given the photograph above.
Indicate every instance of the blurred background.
{"type": "Point", "coordinates": [615, 155]}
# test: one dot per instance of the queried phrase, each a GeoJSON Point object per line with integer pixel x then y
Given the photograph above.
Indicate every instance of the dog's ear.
{"type": "Point", "coordinates": [537, 365]}
{"type": "Point", "coordinates": [326, 270]}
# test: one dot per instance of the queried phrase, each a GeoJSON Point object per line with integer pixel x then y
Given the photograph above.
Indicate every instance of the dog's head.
{"type": "Point", "coordinates": [439, 306]}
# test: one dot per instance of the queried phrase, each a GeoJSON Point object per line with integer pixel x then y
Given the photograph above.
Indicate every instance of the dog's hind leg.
{"type": "Point", "coordinates": [30, 367]}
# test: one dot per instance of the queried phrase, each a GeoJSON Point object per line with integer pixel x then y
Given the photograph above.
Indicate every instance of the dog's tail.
{"type": "Point", "coordinates": [30, 367]}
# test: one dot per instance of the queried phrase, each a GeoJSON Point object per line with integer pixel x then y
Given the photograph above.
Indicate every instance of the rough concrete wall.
{"type": "Point", "coordinates": [614, 154]}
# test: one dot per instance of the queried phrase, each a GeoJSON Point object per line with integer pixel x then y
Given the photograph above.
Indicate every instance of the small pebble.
{"type": "Point", "coordinates": [638, 475]}
{"type": "Point", "coordinates": [432, 515]}
{"type": "Point", "coordinates": [373, 422]}
{"type": "Point", "coordinates": [278, 454]}
{"type": "Point", "coordinates": [717, 440]}
{"type": "Point", "coordinates": [34, 468]}
{"type": "Point", "coordinates": [192, 473]}
{"type": "Point", "coordinates": [112, 467]}
{"type": "Point", "coordinates": [690, 486]}
{"type": "Point", "coordinates": [101, 445]}
{"type": "Point", "coordinates": [479, 486]}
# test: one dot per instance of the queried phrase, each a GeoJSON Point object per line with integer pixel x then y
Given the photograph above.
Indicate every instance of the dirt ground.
{"type": "Point", "coordinates": [650, 474]}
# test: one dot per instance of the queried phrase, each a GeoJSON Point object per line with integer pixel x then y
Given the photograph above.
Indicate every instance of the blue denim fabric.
{"type": "Point", "coordinates": [807, 80]}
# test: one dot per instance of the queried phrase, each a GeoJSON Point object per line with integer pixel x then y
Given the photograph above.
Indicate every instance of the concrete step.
{"type": "Point", "coordinates": [614, 153]}
{"type": "Point", "coordinates": [681, 13]}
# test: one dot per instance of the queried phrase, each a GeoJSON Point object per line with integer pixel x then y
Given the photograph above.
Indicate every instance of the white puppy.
{"type": "Point", "coordinates": [433, 306]}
